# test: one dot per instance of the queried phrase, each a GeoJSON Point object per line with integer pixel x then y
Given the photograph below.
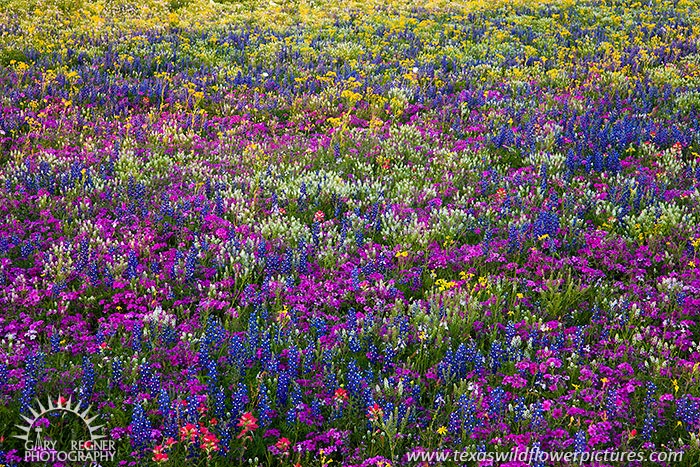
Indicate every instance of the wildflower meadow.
{"type": "Point", "coordinates": [312, 233]}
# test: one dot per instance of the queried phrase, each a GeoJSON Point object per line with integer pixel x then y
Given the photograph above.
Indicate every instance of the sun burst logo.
{"type": "Point", "coordinates": [41, 448]}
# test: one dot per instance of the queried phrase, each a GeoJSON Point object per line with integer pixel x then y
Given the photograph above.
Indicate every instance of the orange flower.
{"type": "Point", "coordinates": [159, 454]}
{"type": "Point", "coordinates": [188, 431]}
{"type": "Point", "coordinates": [340, 396]}
{"type": "Point", "coordinates": [283, 444]}
{"type": "Point", "coordinates": [210, 442]}
{"type": "Point", "coordinates": [500, 195]}
{"type": "Point", "coordinates": [248, 422]}
{"type": "Point", "coordinates": [375, 413]}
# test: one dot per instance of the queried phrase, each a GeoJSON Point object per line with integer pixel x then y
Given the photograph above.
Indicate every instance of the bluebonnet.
{"type": "Point", "coordinates": [578, 339]}
{"type": "Point", "coordinates": [296, 401]}
{"type": "Point", "coordinates": [163, 402]}
{"type": "Point", "coordinates": [264, 407]}
{"type": "Point", "coordinates": [83, 255]}
{"type": "Point", "coordinates": [190, 265]}
{"type": "Point", "coordinates": [343, 230]}
{"type": "Point", "coordinates": [315, 232]}
{"type": "Point", "coordinates": [460, 361]}
{"type": "Point", "coordinates": [237, 352]}
{"type": "Point", "coordinates": [93, 274]}
{"type": "Point", "coordinates": [611, 404]}
{"type": "Point", "coordinates": [520, 409]}
{"type": "Point", "coordinates": [497, 402]}
{"type": "Point", "coordinates": [373, 353]}
{"type": "Point", "coordinates": [303, 258]}
{"type": "Point", "coordinates": [355, 278]}
{"type": "Point", "coordinates": [543, 179]}
{"type": "Point", "coordinates": [32, 374]}
{"type": "Point", "coordinates": [191, 412]}
{"type": "Point", "coordinates": [597, 161]}
{"type": "Point", "coordinates": [514, 239]}
{"type": "Point", "coordinates": [320, 326]}
{"type": "Point", "coordinates": [239, 400]}
{"type": "Point", "coordinates": [488, 236]}
{"type": "Point", "coordinates": [140, 428]}
{"type": "Point", "coordinates": [316, 408]}
{"type": "Point", "coordinates": [570, 163]}
{"type": "Point", "coordinates": [55, 342]}
{"type": "Point", "coordinates": [538, 419]}
{"type": "Point", "coordinates": [27, 249]}
{"type": "Point", "coordinates": [148, 381]}
{"type": "Point", "coordinates": [268, 359]}
{"type": "Point", "coordinates": [538, 460]}
{"type": "Point", "coordinates": [359, 238]}
{"type": "Point", "coordinates": [510, 333]}
{"type": "Point", "coordinates": [283, 383]}
{"type": "Point", "coordinates": [308, 364]}
{"type": "Point", "coordinates": [88, 383]}
{"type": "Point", "coordinates": [136, 337]}
{"type": "Point", "coordinates": [688, 411]}
{"type": "Point", "coordinates": [353, 377]}
{"type": "Point", "coordinates": [219, 403]}
{"type": "Point", "coordinates": [302, 200]}
{"type": "Point", "coordinates": [496, 355]}
{"type": "Point", "coordinates": [612, 162]}
{"type": "Point", "coordinates": [580, 441]}
{"type": "Point", "coordinates": [293, 360]}
{"type": "Point", "coordinates": [168, 336]}
{"type": "Point", "coordinates": [132, 265]}
{"type": "Point", "coordinates": [354, 343]}
{"type": "Point", "coordinates": [4, 375]}
{"type": "Point", "coordinates": [117, 371]}
{"type": "Point", "coordinates": [286, 268]}
{"type": "Point", "coordinates": [547, 223]}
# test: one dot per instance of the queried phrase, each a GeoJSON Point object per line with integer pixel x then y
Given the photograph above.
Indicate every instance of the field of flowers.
{"type": "Point", "coordinates": [308, 234]}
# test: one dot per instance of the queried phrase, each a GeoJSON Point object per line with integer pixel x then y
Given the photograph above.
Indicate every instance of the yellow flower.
{"type": "Point", "coordinates": [283, 315]}
{"type": "Point", "coordinates": [375, 123]}
{"type": "Point", "coordinates": [465, 275]}
{"type": "Point", "coordinates": [445, 285]}
{"type": "Point", "coordinates": [675, 385]}
{"type": "Point", "coordinates": [442, 431]}
{"type": "Point", "coordinates": [401, 254]}
{"type": "Point", "coordinates": [334, 122]}
{"type": "Point", "coordinates": [351, 96]}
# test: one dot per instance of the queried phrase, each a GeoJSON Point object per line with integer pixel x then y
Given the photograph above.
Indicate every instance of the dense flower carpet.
{"type": "Point", "coordinates": [306, 233]}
